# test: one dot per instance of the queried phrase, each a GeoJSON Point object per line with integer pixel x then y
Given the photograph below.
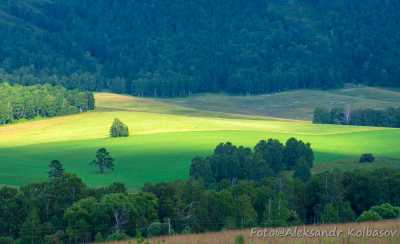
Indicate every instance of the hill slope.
{"type": "Point", "coordinates": [298, 104]}
{"type": "Point", "coordinates": [164, 139]}
{"type": "Point", "coordinates": [175, 48]}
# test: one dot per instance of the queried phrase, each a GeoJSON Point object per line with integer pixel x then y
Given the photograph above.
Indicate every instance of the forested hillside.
{"type": "Point", "coordinates": [175, 48]}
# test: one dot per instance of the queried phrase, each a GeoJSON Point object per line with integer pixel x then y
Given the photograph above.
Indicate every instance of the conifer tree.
{"type": "Point", "coordinates": [103, 160]}
{"type": "Point", "coordinates": [56, 169]}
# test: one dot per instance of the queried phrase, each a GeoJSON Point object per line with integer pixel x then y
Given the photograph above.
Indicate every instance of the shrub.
{"type": "Point", "coordinates": [239, 239]}
{"type": "Point", "coordinates": [155, 229]}
{"type": "Point", "coordinates": [386, 211]}
{"type": "Point", "coordinates": [118, 236]}
{"type": "Point", "coordinates": [367, 158]}
{"type": "Point", "coordinates": [99, 237]}
{"type": "Point", "coordinates": [369, 216]}
{"type": "Point", "coordinates": [119, 129]}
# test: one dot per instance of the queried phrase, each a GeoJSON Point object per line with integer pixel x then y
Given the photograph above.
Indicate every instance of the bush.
{"type": "Point", "coordinates": [367, 158]}
{"type": "Point", "coordinates": [118, 236]}
{"type": "Point", "coordinates": [239, 239]}
{"type": "Point", "coordinates": [99, 237]}
{"type": "Point", "coordinates": [119, 129]}
{"type": "Point", "coordinates": [386, 211]}
{"type": "Point", "coordinates": [369, 216]}
{"type": "Point", "coordinates": [155, 229]}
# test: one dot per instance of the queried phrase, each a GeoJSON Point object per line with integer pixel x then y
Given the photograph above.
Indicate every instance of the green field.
{"type": "Point", "coordinates": [166, 135]}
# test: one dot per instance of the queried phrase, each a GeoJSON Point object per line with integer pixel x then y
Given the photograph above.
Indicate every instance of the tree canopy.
{"type": "Point", "coordinates": [119, 129]}
{"type": "Point", "coordinates": [65, 210]}
{"type": "Point", "coordinates": [176, 48]}
{"type": "Point", "coordinates": [28, 102]}
{"type": "Point", "coordinates": [389, 117]}
{"type": "Point", "coordinates": [269, 158]}
{"type": "Point", "coordinates": [103, 160]}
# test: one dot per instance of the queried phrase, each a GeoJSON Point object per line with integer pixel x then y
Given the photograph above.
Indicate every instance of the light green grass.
{"type": "Point", "coordinates": [164, 140]}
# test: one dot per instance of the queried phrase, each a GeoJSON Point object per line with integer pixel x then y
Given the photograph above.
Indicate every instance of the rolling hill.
{"type": "Point", "coordinates": [298, 104]}
{"type": "Point", "coordinates": [166, 135]}
{"type": "Point", "coordinates": [177, 48]}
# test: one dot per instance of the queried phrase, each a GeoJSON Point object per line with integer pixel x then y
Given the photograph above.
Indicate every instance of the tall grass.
{"type": "Point", "coordinates": [229, 237]}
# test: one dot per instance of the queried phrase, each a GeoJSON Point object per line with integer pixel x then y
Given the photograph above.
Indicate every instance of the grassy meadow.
{"type": "Point", "coordinates": [297, 104]}
{"type": "Point", "coordinates": [166, 134]}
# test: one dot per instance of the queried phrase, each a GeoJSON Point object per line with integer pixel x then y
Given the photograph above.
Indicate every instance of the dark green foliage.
{"type": "Point", "coordinates": [386, 211]}
{"type": "Point", "coordinates": [389, 117]}
{"type": "Point", "coordinates": [103, 160]}
{"type": "Point", "coordinates": [244, 47]}
{"type": "Point", "coordinates": [118, 236]}
{"type": "Point", "coordinates": [367, 158]}
{"type": "Point", "coordinates": [271, 153]}
{"type": "Point", "coordinates": [268, 158]}
{"type": "Point", "coordinates": [7, 240]}
{"type": "Point", "coordinates": [91, 103]}
{"type": "Point", "coordinates": [246, 215]}
{"type": "Point", "coordinates": [56, 169]}
{"type": "Point", "coordinates": [277, 212]}
{"type": "Point", "coordinates": [369, 216]}
{"type": "Point", "coordinates": [321, 116]}
{"type": "Point", "coordinates": [99, 237]}
{"type": "Point", "coordinates": [32, 229]}
{"type": "Point", "coordinates": [119, 129]}
{"type": "Point", "coordinates": [64, 209]}
{"type": "Point", "coordinates": [12, 212]}
{"type": "Point", "coordinates": [337, 212]}
{"type": "Point", "coordinates": [155, 229]}
{"type": "Point", "coordinates": [296, 152]}
{"type": "Point", "coordinates": [239, 239]}
{"type": "Point", "coordinates": [29, 102]}
{"type": "Point", "coordinates": [302, 171]}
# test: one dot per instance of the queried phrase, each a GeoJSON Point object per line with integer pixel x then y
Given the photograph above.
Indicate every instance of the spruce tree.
{"type": "Point", "coordinates": [56, 169]}
{"type": "Point", "coordinates": [103, 160]}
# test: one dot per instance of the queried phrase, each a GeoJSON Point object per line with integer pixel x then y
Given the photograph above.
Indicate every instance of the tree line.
{"type": "Point", "coordinates": [268, 158]}
{"type": "Point", "coordinates": [182, 47]}
{"type": "Point", "coordinates": [29, 102]}
{"type": "Point", "coordinates": [64, 209]}
{"type": "Point", "coordinates": [389, 117]}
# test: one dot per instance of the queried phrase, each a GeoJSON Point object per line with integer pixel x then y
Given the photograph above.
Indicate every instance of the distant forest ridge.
{"type": "Point", "coordinates": [176, 48]}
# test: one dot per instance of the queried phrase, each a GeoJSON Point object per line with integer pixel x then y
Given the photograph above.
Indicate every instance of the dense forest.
{"type": "Point", "coordinates": [29, 102]}
{"type": "Point", "coordinates": [65, 210]}
{"type": "Point", "coordinates": [175, 48]}
{"type": "Point", "coordinates": [269, 158]}
{"type": "Point", "coordinates": [389, 117]}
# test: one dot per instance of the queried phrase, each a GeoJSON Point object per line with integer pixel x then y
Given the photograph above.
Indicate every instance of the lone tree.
{"type": "Point", "coordinates": [56, 169]}
{"type": "Point", "coordinates": [367, 158]}
{"type": "Point", "coordinates": [119, 129]}
{"type": "Point", "coordinates": [103, 160]}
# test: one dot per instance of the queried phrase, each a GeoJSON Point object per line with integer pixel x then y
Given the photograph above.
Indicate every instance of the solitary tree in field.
{"type": "Point", "coordinates": [367, 158]}
{"type": "Point", "coordinates": [103, 160]}
{"type": "Point", "coordinates": [119, 129]}
{"type": "Point", "coordinates": [56, 169]}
